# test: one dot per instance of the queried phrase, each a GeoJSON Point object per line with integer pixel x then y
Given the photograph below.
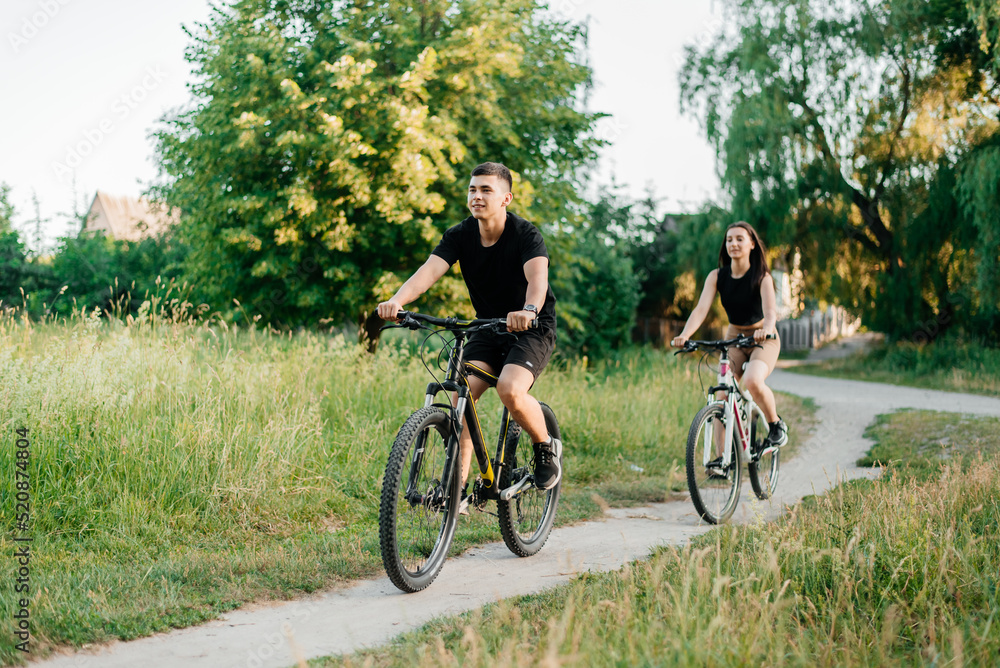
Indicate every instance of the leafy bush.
{"type": "Point", "coordinates": [110, 275]}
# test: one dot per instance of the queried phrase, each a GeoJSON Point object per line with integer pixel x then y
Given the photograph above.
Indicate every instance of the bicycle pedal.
{"type": "Point", "coordinates": [768, 450]}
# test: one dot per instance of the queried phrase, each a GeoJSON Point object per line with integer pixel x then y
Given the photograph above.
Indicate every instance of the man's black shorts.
{"type": "Point", "coordinates": [532, 349]}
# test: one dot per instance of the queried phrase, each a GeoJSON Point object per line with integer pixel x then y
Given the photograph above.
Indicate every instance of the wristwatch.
{"type": "Point", "coordinates": [530, 307]}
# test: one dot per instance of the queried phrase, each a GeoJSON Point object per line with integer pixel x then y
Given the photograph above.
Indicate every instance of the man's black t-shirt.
{"type": "Point", "coordinates": [495, 274]}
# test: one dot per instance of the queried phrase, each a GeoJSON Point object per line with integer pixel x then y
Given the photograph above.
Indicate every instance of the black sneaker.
{"type": "Point", "coordinates": [548, 467]}
{"type": "Point", "coordinates": [777, 436]}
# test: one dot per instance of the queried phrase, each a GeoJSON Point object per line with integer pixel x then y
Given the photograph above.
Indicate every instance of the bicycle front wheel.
{"type": "Point", "coordinates": [526, 520]}
{"type": "Point", "coordinates": [763, 470]}
{"type": "Point", "coordinates": [419, 509]}
{"type": "Point", "coordinates": [715, 490]}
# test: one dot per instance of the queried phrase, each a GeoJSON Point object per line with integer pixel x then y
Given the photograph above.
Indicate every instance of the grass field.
{"type": "Point", "coordinates": [948, 364]}
{"type": "Point", "coordinates": [179, 470]}
{"type": "Point", "coordinates": [900, 571]}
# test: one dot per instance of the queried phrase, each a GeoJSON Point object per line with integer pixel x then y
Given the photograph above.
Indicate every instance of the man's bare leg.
{"type": "Point", "coordinates": [513, 386]}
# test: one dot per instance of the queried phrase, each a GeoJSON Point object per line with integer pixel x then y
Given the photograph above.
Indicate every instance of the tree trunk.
{"type": "Point", "coordinates": [369, 334]}
{"type": "Point", "coordinates": [881, 240]}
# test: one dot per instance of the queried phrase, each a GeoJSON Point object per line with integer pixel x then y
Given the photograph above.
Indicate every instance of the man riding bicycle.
{"type": "Point", "coordinates": [505, 266]}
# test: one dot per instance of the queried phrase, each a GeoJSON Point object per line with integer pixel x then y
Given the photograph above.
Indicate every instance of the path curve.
{"type": "Point", "coordinates": [373, 611]}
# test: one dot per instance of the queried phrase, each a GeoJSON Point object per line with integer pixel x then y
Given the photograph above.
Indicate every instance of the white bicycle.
{"type": "Point", "coordinates": [728, 432]}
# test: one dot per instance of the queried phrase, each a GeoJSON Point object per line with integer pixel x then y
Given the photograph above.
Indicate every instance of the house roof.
{"type": "Point", "coordinates": [127, 218]}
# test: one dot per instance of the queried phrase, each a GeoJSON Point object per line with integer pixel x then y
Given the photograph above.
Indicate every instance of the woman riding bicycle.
{"type": "Point", "coordinates": [744, 282]}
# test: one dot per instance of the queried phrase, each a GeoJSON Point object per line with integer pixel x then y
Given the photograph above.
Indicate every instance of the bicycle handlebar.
{"type": "Point", "coordinates": [412, 320]}
{"type": "Point", "coordinates": [741, 341]}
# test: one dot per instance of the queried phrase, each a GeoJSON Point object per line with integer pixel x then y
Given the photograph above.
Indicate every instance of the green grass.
{"type": "Point", "coordinates": [795, 354]}
{"type": "Point", "coordinates": [900, 571]}
{"type": "Point", "coordinates": [950, 364]}
{"type": "Point", "coordinates": [183, 470]}
{"type": "Point", "coordinates": [914, 444]}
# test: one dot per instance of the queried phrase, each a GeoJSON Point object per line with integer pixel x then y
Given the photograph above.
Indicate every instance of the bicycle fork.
{"type": "Point", "coordinates": [732, 426]}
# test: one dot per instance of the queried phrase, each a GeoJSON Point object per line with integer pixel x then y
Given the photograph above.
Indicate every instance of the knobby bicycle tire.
{"type": "Point", "coordinates": [417, 515]}
{"type": "Point", "coordinates": [526, 520]}
{"type": "Point", "coordinates": [763, 472]}
{"type": "Point", "coordinates": [714, 497]}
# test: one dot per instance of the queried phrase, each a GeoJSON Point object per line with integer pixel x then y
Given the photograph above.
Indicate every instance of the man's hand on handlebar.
{"type": "Point", "coordinates": [519, 321]}
{"type": "Point", "coordinates": [389, 310]}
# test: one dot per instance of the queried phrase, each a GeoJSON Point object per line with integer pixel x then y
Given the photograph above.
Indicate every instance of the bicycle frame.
{"type": "Point", "coordinates": [735, 419]}
{"type": "Point", "coordinates": [465, 415]}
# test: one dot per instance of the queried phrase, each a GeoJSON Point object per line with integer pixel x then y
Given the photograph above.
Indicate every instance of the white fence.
{"type": "Point", "coordinates": [814, 328]}
{"type": "Point", "coordinates": [810, 330]}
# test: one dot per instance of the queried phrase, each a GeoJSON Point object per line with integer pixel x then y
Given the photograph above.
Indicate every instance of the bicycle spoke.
{"type": "Point", "coordinates": [526, 520]}
{"type": "Point", "coordinates": [764, 469]}
{"type": "Point", "coordinates": [714, 487]}
{"type": "Point", "coordinates": [417, 517]}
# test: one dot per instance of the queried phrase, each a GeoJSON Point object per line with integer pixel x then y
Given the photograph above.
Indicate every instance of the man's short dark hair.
{"type": "Point", "coordinates": [495, 169]}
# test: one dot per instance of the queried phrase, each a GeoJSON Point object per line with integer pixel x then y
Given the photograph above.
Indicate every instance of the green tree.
{"type": "Point", "coordinates": [329, 142]}
{"type": "Point", "coordinates": [13, 256]}
{"type": "Point", "coordinates": [978, 190]}
{"type": "Point", "coordinates": [595, 279]}
{"type": "Point", "coordinates": [834, 122]}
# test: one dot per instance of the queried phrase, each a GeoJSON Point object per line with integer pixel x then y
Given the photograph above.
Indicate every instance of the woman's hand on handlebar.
{"type": "Point", "coordinates": [678, 341]}
{"type": "Point", "coordinates": [759, 335]}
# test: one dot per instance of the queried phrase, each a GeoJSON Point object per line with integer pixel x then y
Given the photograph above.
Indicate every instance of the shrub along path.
{"type": "Point", "coordinates": [372, 612]}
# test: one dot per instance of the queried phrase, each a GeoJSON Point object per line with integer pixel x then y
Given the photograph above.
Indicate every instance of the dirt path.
{"type": "Point", "coordinates": [372, 612]}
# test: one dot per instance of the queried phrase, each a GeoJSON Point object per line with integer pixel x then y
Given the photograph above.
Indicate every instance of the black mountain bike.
{"type": "Point", "coordinates": [421, 491]}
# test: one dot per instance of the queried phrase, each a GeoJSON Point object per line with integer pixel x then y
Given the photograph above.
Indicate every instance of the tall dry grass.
{"type": "Point", "coordinates": [896, 572]}
{"type": "Point", "coordinates": [183, 467]}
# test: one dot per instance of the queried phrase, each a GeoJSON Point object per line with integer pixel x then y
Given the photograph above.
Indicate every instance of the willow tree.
{"type": "Point", "coordinates": [844, 131]}
{"type": "Point", "coordinates": [328, 142]}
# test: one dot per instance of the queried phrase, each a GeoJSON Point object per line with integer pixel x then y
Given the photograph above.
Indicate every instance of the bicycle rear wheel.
{"type": "Point", "coordinates": [417, 515]}
{"type": "Point", "coordinates": [764, 470]}
{"type": "Point", "coordinates": [526, 520]}
{"type": "Point", "coordinates": [716, 491]}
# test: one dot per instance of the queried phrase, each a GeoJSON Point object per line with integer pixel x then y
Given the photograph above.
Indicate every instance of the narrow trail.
{"type": "Point", "coordinates": [373, 611]}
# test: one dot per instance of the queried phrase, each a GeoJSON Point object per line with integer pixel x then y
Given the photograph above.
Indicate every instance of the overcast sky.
{"type": "Point", "coordinates": [85, 82]}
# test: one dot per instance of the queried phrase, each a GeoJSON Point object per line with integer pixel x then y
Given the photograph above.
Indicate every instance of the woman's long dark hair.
{"type": "Point", "coordinates": [758, 255]}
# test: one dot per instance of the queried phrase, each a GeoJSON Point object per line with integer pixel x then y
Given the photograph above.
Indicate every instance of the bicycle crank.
{"type": "Point", "coordinates": [514, 490]}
